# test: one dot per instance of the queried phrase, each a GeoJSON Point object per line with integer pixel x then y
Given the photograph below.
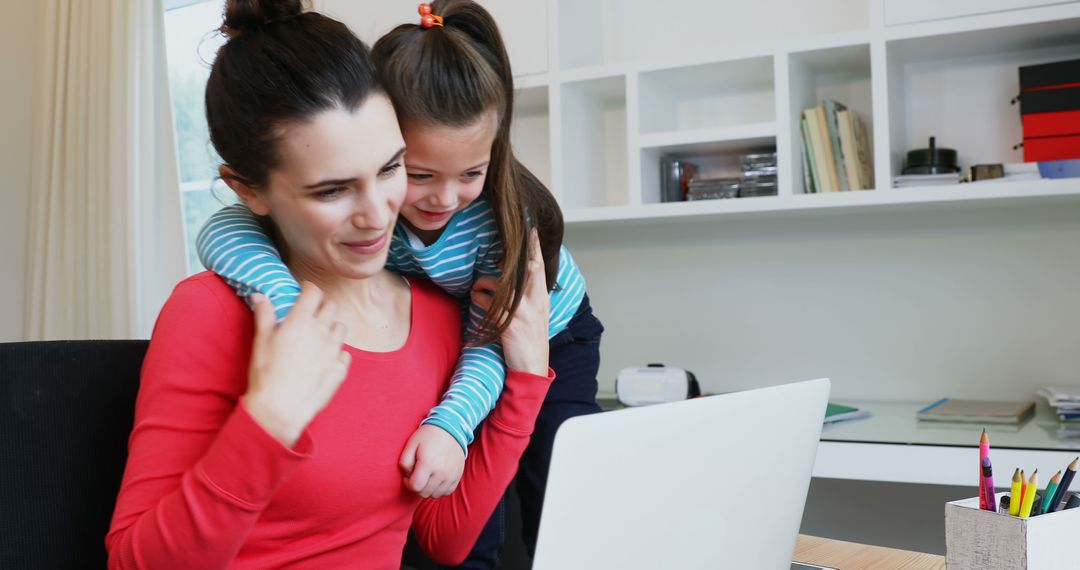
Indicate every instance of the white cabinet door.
{"type": "Point", "coordinates": [898, 12]}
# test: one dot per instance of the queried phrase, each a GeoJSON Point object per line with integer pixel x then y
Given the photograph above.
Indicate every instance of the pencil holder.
{"type": "Point", "coordinates": [983, 540]}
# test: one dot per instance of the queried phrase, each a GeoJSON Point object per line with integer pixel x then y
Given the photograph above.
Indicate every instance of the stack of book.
{"type": "Point", "coordinates": [1065, 401]}
{"type": "Point", "coordinates": [758, 175]}
{"type": "Point", "coordinates": [712, 188]}
{"type": "Point", "coordinates": [915, 180]}
{"type": "Point", "coordinates": [837, 154]}
{"type": "Point", "coordinates": [977, 411]}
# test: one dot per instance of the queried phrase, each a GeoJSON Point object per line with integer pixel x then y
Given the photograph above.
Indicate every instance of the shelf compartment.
{"type": "Point", "coordinates": [841, 74]}
{"type": "Point", "coordinates": [594, 143]}
{"type": "Point", "coordinates": [713, 158]}
{"type": "Point", "coordinates": [709, 95]}
{"type": "Point", "coordinates": [530, 133]}
{"type": "Point", "coordinates": [957, 87]}
{"type": "Point", "coordinates": [720, 135]}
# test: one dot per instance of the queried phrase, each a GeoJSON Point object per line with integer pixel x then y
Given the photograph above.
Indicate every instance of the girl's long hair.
{"type": "Point", "coordinates": [450, 76]}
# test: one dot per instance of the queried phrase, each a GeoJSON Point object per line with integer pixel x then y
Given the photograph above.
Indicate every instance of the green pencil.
{"type": "Point", "coordinates": [1049, 493]}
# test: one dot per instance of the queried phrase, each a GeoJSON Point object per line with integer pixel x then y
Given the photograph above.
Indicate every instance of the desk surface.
{"type": "Point", "coordinates": [853, 556]}
{"type": "Point", "coordinates": [893, 446]}
{"type": "Point", "coordinates": [894, 422]}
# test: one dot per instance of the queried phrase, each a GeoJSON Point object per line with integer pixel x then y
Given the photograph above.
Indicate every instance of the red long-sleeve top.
{"type": "Point", "coordinates": [206, 487]}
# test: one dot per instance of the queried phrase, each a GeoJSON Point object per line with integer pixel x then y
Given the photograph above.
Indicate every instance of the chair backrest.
{"type": "Point", "coordinates": [66, 411]}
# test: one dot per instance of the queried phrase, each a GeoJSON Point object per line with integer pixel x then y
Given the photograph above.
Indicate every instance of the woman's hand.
{"type": "Point", "coordinates": [296, 367]}
{"type": "Point", "coordinates": [525, 340]}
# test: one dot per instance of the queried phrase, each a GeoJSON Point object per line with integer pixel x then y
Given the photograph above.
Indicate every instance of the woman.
{"type": "Point", "coordinates": [258, 445]}
{"type": "Point", "coordinates": [450, 81]}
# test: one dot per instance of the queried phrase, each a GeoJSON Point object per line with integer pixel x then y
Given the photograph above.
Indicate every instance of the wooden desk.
{"type": "Point", "coordinates": [853, 556]}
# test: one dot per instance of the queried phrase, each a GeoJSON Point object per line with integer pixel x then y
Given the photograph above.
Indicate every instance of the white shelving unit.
{"type": "Point", "coordinates": [627, 82]}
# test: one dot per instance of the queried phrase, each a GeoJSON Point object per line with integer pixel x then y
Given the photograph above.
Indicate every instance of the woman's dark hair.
{"type": "Point", "coordinates": [451, 75]}
{"type": "Point", "coordinates": [281, 66]}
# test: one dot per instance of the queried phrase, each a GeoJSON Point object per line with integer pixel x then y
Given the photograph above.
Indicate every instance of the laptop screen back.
{"type": "Point", "coordinates": [714, 482]}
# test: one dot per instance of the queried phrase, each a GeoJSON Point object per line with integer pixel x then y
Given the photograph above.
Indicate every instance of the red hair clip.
{"type": "Point", "coordinates": [427, 19]}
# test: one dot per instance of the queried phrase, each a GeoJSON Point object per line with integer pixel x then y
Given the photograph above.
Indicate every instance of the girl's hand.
{"type": "Point", "coordinates": [525, 340]}
{"type": "Point", "coordinates": [296, 367]}
{"type": "Point", "coordinates": [432, 463]}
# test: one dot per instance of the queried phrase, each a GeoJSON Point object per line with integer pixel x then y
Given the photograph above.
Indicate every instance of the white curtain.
{"type": "Point", "coordinates": [106, 237]}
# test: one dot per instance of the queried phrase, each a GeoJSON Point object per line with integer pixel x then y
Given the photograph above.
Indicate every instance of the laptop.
{"type": "Point", "coordinates": [713, 482]}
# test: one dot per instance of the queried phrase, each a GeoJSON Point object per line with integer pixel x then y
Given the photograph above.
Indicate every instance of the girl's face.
{"type": "Point", "coordinates": [336, 195]}
{"type": "Point", "coordinates": [446, 168]}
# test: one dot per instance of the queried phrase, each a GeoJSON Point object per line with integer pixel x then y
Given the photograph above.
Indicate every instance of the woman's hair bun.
{"type": "Point", "coordinates": [241, 15]}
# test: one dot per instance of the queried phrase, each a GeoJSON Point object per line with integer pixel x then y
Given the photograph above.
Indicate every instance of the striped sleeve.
{"type": "Point", "coordinates": [235, 246]}
{"type": "Point", "coordinates": [567, 294]}
{"type": "Point", "coordinates": [481, 371]}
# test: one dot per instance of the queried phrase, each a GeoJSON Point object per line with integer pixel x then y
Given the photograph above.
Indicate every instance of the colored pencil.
{"type": "Point", "coordinates": [1023, 491]}
{"type": "Point", "coordinates": [1029, 495]}
{"type": "Point", "coordinates": [1051, 488]}
{"type": "Point", "coordinates": [984, 453]}
{"type": "Point", "coordinates": [1066, 480]}
{"type": "Point", "coordinates": [988, 484]}
{"type": "Point", "coordinates": [1016, 493]}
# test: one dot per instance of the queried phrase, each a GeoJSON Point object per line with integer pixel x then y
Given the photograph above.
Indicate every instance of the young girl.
{"type": "Point", "coordinates": [464, 222]}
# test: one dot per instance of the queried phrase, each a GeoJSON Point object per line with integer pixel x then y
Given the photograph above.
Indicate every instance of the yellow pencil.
{"type": "Point", "coordinates": [1029, 495]}
{"type": "Point", "coordinates": [1016, 493]}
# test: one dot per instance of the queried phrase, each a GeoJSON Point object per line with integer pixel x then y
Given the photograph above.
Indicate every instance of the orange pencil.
{"type": "Point", "coordinates": [1023, 490]}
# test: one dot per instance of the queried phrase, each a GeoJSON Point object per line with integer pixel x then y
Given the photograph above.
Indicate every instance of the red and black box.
{"type": "Point", "coordinates": [1050, 110]}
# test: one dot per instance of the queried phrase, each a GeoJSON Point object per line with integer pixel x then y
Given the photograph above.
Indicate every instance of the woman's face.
{"type": "Point", "coordinates": [446, 167]}
{"type": "Point", "coordinates": [336, 195]}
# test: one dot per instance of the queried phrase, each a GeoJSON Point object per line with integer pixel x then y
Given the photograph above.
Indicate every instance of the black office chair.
{"type": "Point", "coordinates": [66, 411]}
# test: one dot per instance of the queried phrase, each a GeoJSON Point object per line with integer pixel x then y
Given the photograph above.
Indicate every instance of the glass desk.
{"type": "Point", "coordinates": [891, 445]}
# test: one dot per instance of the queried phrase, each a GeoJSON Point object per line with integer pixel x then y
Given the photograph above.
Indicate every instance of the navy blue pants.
{"type": "Point", "coordinates": [575, 358]}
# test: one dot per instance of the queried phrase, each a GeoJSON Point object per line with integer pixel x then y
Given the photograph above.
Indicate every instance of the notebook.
{"type": "Point", "coordinates": [978, 411]}
{"type": "Point", "coordinates": [839, 413]}
{"type": "Point", "coordinates": [700, 484]}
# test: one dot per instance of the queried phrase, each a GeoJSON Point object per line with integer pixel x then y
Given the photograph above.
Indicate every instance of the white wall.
{"type": "Point", "coordinates": [972, 301]}
{"type": "Point", "coordinates": [18, 40]}
{"type": "Point", "coordinates": [524, 25]}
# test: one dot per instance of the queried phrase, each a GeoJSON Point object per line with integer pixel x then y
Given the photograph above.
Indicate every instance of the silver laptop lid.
{"type": "Point", "coordinates": [715, 482]}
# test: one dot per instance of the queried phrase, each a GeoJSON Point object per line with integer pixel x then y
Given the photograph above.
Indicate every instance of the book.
{"type": "Point", "coordinates": [849, 150]}
{"type": "Point", "coordinates": [978, 411]}
{"type": "Point", "coordinates": [826, 161]}
{"type": "Point", "coordinates": [864, 149]}
{"type": "Point", "coordinates": [839, 413]}
{"type": "Point", "coordinates": [1060, 395]}
{"type": "Point", "coordinates": [810, 177]}
{"type": "Point", "coordinates": [831, 110]}
{"type": "Point", "coordinates": [825, 179]}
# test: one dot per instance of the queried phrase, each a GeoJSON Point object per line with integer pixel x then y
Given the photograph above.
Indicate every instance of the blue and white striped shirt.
{"type": "Point", "coordinates": [234, 245]}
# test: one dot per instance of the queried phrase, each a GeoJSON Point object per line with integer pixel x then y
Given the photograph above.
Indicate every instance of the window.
{"type": "Point", "coordinates": [191, 42]}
